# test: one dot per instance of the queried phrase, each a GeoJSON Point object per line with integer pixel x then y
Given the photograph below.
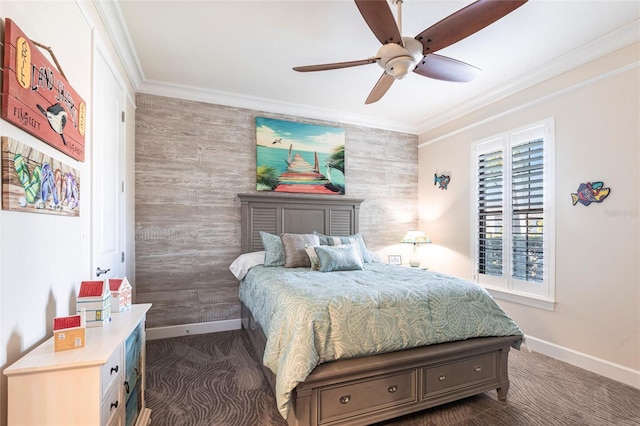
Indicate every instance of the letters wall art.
{"type": "Point", "coordinates": [37, 98]}
{"type": "Point", "coordinates": [34, 182]}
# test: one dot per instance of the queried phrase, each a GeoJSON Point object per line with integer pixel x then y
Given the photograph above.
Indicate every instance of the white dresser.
{"type": "Point", "coordinates": [100, 384]}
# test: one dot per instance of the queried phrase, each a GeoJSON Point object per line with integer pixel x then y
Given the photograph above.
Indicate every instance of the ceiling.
{"type": "Point", "coordinates": [241, 53]}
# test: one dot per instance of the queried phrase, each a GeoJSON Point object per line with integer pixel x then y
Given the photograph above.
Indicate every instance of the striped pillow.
{"type": "Point", "coordinates": [328, 240]}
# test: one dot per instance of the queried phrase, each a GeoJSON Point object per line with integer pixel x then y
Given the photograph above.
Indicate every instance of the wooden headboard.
{"type": "Point", "coordinates": [278, 213]}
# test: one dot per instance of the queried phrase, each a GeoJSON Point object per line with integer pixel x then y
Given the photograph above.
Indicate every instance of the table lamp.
{"type": "Point", "coordinates": [416, 237]}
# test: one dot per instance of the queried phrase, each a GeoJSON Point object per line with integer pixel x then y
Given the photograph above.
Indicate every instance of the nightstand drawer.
{"type": "Point", "coordinates": [470, 371]}
{"type": "Point", "coordinates": [111, 370]}
{"type": "Point", "coordinates": [365, 396]}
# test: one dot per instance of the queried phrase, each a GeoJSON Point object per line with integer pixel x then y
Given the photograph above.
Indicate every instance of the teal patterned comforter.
{"type": "Point", "coordinates": [312, 317]}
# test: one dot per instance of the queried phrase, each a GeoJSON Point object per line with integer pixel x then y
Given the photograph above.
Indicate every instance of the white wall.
{"type": "Point", "coordinates": [43, 258]}
{"type": "Point", "coordinates": [597, 121]}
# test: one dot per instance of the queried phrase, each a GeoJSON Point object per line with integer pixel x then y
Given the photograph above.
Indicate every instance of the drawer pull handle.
{"type": "Point", "coordinates": [442, 377]}
{"type": "Point", "coordinates": [345, 399]}
{"type": "Point", "coordinates": [392, 388]}
{"type": "Point", "coordinates": [113, 369]}
{"type": "Point", "coordinates": [114, 405]}
{"type": "Point", "coordinates": [477, 368]}
{"type": "Point", "coordinates": [126, 387]}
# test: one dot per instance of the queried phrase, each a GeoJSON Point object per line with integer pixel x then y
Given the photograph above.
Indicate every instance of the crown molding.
{"type": "Point", "coordinates": [267, 105]}
{"type": "Point", "coordinates": [591, 51]}
{"type": "Point", "coordinates": [111, 16]}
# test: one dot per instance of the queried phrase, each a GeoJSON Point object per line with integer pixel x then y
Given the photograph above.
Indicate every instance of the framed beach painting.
{"type": "Point", "coordinates": [299, 157]}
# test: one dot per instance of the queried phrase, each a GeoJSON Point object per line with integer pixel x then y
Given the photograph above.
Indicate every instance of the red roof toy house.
{"type": "Point", "coordinates": [120, 294]}
{"type": "Point", "coordinates": [68, 333]}
{"type": "Point", "coordinates": [95, 298]}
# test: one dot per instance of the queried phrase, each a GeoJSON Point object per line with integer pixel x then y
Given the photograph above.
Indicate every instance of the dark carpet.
{"type": "Point", "coordinates": [214, 379]}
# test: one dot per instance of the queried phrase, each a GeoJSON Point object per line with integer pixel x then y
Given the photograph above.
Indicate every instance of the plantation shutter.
{"type": "Point", "coordinates": [512, 216]}
{"type": "Point", "coordinates": [490, 214]}
{"type": "Point", "coordinates": [527, 210]}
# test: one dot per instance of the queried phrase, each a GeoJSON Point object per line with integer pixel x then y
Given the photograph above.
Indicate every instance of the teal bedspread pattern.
{"type": "Point", "coordinates": [312, 317]}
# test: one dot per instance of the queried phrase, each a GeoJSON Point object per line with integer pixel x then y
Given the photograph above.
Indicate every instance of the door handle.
{"type": "Point", "coordinates": [101, 271]}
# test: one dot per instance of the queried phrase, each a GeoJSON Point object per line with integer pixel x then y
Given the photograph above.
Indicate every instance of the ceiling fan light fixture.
{"type": "Point", "coordinates": [399, 67]}
{"type": "Point", "coordinates": [397, 60]}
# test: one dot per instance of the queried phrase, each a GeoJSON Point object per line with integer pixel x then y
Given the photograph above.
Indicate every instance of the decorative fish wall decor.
{"type": "Point", "coordinates": [442, 180]}
{"type": "Point", "coordinates": [590, 192]}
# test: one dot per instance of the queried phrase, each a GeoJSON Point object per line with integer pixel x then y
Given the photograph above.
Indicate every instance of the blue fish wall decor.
{"type": "Point", "coordinates": [442, 180]}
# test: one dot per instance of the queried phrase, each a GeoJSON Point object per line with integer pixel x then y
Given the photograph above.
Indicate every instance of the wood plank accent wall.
{"type": "Point", "coordinates": [191, 160]}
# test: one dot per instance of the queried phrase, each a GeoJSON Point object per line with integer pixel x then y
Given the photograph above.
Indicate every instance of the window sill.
{"type": "Point", "coordinates": [522, 299]}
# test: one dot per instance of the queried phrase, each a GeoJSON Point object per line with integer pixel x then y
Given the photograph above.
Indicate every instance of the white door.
{"type": "Point", "coordinates": [108, 172]}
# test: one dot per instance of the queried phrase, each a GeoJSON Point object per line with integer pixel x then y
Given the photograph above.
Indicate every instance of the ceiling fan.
{"type": "Point", "coordinates": [399, 55]}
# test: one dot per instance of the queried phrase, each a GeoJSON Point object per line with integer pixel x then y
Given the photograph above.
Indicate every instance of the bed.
{"type": "Point", "coordinates": [329, 382]}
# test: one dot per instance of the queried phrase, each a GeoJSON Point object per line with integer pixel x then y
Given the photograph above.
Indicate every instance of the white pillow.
{"type": "Point", "coordinates": [246, 261]}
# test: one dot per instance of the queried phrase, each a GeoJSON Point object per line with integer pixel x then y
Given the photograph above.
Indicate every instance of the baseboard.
{"type": "Point", "coordinates": [605, 368]}
{"type": "Point", "coordinates": [188, 329]}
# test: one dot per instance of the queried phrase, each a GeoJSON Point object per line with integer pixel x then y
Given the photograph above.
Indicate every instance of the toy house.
{"type": "Point", "coordinates": [68, 333]}
{"type": "Point", "coordinates": [95, 298]}
{"type": "Point", "coordinates": [120, 294]}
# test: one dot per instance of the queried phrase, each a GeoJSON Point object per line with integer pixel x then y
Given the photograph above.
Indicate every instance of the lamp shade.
{"type": "Point", "coordinates": [415, 237]}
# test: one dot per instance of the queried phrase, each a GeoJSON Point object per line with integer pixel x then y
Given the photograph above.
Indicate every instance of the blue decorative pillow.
{"type": "Point", "coordinates": [274, 250]}
{"type": "Point", "coordinates": [327, 240]}
{"type": "Point", "coordinates": [339, 258]}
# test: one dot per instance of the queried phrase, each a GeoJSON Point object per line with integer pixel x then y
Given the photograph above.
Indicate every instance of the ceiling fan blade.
{"type": "Point", "coordinates": [336, 65]}
{"type": "Point", "coordinates": [464, 22]}
{"type": "Point", "coordinates": [445, 68]}
{"type": "Point", "coordinates": [379, 17]}
{"type": "Point", "coordinates": [380, 88]}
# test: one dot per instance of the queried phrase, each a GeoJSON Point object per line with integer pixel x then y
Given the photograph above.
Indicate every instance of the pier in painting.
{"type": "Point", "coordinates": [300, 176]}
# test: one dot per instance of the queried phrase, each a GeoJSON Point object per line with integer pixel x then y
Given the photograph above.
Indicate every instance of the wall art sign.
{"type": "Point", "coordinates": [442, 180]}
{"type": "Point", "coordinates": [37, 98]}
{"type": "Point", "coordinates": [34, 182]}
{"type": "Point", "coordinates": [299, 157]}
{"type": "Point", "coordinates": [590, 192]}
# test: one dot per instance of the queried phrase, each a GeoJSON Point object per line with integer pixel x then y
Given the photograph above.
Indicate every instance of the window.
{"type": "Point", "coordinates": [513, 215]}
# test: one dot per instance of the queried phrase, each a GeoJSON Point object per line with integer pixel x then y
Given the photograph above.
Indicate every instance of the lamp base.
{"type": "Point", "coordinates": [414, 263]}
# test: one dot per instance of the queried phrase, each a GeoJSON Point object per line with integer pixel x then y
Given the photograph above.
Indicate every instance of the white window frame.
{"type": "Point", "coordinates": [539, 294]}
